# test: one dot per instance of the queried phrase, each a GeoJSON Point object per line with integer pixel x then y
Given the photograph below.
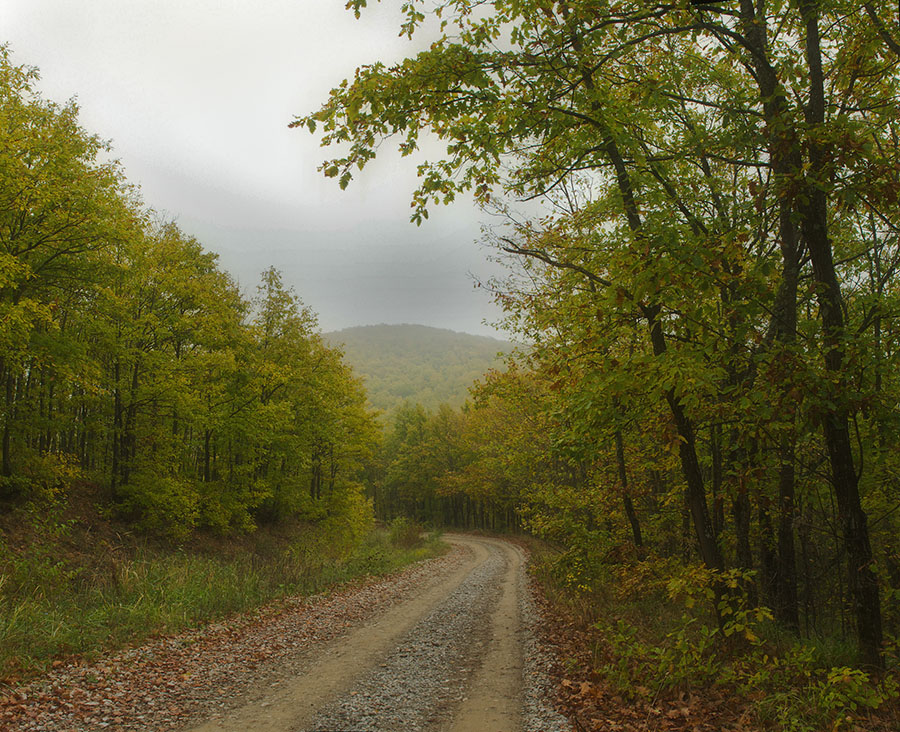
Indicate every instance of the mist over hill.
{"type": "Point", "coordinates": [417, 363]}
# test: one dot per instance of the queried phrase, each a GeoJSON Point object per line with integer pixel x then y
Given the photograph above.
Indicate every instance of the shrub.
{"type": "Point", "coordinates": [405, 532]}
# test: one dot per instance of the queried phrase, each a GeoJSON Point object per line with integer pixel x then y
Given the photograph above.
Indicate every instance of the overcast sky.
{"type": "Point", "coordinates": [196, 96]}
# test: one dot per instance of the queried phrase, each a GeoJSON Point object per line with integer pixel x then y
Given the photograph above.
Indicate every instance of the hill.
{"type": "Point", "coordinates": [427, 365]}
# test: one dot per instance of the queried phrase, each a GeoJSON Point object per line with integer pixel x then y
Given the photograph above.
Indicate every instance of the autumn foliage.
{"type": "Point", "coordinates": [133, 369]}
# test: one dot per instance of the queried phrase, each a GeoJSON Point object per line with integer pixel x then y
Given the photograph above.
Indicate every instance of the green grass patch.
{"type": "Point", "coordinates": [62, 597]}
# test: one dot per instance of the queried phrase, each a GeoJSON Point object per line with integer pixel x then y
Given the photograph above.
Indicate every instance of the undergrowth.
{"type": "Point", "coordinates": [651, 635]}
{"type": "Point", "coordinates": [65, 591]}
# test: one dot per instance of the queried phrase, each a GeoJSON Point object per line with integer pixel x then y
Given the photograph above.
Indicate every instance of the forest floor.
{"type": "Point", "coordinates": [595, 705]}
{"type": "Point", "coordinates": [595, 702]}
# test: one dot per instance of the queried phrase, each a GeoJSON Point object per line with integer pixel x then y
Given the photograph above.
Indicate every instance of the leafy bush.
{"type": "Point", "coordinates": [163, 504]}
{"type": "Point", "coordinates": [405, 532]}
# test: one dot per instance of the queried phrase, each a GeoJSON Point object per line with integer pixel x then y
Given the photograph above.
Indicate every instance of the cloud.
{"type": "Point", "coordinates": [196, 96]}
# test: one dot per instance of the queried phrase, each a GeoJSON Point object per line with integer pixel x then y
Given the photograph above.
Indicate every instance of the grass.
{"type": "Point", "coordinates": [65, 592]}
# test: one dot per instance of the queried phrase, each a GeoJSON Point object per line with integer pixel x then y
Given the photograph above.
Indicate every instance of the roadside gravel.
{"type": "Point", "coordinates": [537, 686]}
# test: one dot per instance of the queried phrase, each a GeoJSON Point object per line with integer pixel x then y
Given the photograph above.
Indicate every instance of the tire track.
{"type": "Point", "coordinates": [419, 684]}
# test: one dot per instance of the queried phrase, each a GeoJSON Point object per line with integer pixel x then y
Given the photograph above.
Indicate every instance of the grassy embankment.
{"type": "Point", "coordinates": [640, 652]}
{"type": "Point", "coordinates": [70, 587]}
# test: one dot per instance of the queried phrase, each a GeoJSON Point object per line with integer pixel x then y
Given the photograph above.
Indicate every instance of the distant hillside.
{"type": "Point", "coordinates": [430, 366]}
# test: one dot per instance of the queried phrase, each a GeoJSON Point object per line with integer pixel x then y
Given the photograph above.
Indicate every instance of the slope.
{"type": "Point", "coordinates": [417, 363]}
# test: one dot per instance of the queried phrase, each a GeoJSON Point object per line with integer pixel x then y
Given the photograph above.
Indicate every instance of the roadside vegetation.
{"type": "Point", "coordinates": [170, 450]}
{"type": "Point", "coordinates": [77, 586]}
{"type": "Point", "coordinates": [637, 653]}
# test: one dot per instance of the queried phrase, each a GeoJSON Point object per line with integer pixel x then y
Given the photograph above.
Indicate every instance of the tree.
{"type": "Point", "coordinates": [59, 207]}
{"type": "Point", "coordinates": [134, 373]}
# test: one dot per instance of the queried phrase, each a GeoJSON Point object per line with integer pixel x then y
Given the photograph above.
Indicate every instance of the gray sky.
{"type": "Point", "coordinates": [196, 95]}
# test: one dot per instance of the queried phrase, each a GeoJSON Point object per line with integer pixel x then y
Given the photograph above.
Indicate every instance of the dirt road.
{"type": "Point", "coordinates": [448, 658]}
{"type": "Point", "coordinates": [444, 646]}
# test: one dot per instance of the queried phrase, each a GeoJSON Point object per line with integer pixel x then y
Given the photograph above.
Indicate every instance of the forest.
{"type": "Point", "coordinates": [170, 450]}
{"type": "Point", "coordinates": [417, 364]}
{"type": "Point", "coordinates": [700, 229]}
{"type": "Point", "coordinates": [131, 362]}
{"type": "Point", "coordinates": [708, 415]}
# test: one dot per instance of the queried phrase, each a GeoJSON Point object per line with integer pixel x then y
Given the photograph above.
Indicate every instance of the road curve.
{"type": "Point", "coordinates": [448, 659]}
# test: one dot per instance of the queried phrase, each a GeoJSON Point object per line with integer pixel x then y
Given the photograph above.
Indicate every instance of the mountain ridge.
{"type": "Point", "coordinates": [417, 363]}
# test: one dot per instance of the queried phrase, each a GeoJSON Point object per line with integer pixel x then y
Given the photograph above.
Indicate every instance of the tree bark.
{"type": "Point", "coordinates": [626, 497]}
{"type": "Point", "coordinates": [863, 583]}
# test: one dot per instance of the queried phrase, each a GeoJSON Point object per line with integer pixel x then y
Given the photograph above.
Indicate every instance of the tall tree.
{"type": "Point", "coordinates": [59, 206]}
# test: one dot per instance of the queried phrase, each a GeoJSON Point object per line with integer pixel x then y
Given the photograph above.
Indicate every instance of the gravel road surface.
{"type": "Point", "coordinates": [447, 645]}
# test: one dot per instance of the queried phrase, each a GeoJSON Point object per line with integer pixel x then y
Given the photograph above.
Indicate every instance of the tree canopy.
{"type": "Point", "coordinates": [134, 372]}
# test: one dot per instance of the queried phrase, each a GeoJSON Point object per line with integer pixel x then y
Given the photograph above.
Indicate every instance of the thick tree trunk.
{"type": "Point", "coordinates": [863, 583]}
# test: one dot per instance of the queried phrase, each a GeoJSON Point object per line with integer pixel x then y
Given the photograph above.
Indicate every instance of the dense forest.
{"type": "Point", "coordinates": [417, 364]}
{"type": "Point", "coordinates": [709, 415]}
{"type": "Point", "coordinates": [132, 367]}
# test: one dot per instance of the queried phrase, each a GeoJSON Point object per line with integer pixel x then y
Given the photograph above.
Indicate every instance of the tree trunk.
{"type": "Point", "coordinates": [207, 437]}
{"type": "Point", "coordinates": [786, 160]}
{"type": "Point", "coordinates": [786, 576]}
{"type": "Point", "coordinates": [783, 330]}
{"type": "Point", "coordinates": [116, 431]}
{"type": "Point", "coordinates": [768, 558]}
{"type": "Point", "coordinates": [7, 432]}
{"type": "Point", "coordinates": [687, 448]}
{"type": "Point", "coordinates": [863, 583]}
{"type": "Point", "coordinates": [626, 497]}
